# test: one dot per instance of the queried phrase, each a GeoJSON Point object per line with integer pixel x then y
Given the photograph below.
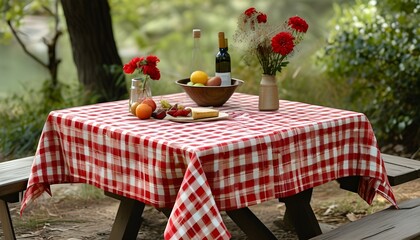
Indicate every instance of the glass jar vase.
{"type": "Point", "coordinates": [140, 89]}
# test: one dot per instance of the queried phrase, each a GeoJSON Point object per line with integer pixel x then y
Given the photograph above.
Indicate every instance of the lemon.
{"type": "Point", "coordinates": [199, 77]}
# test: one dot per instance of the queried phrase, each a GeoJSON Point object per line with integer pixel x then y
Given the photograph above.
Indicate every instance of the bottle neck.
{"type": "Point", "coordinates": [196, 43]}
{"type": "Point", "coordinates": [222, 42]}
{"type": "Point", "coordinates": [197, 58]}
{"type": "Point", "coordinates": [223, 50]}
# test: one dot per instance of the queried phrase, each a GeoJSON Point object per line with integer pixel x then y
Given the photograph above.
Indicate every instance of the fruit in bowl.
{"type": "Point", "coordinates": [209, 95]}
{"type": "Point", "coordinates": [214, 81]}
{"type": "Point", "coordinates": [200, 78]}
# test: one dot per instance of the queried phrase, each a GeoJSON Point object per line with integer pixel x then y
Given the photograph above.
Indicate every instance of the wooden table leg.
{"type": "Point", "coordinates": [250, 224]}
{"type": "Point", "coordinates": [245, 220]}
{"type": "Point", "coordinates": [165, 211]}
{"type": "Point", "coordinates": [128, 220]}
{"type": "Point", "coordinates": [301, 215]}
{"type": "Point", "coordinates": [6, 221]}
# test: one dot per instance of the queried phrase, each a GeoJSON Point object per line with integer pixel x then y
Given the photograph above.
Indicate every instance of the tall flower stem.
{"type": "Point", "coordinates": [143, 85]}
{"type": "Point", "coordinates": [277, 63]}
{"type": "Point", "coordinates": [263, 56]}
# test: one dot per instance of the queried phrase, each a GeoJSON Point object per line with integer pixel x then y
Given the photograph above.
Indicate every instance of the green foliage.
{"type": "Point", "coordinates": [374, 49]}
{"type": "Point", "coordinates": [22, 117]}
{"type": "Point", "coordinates": [15, 10]}
{"type": "Point", "coordinates": [116, 75]}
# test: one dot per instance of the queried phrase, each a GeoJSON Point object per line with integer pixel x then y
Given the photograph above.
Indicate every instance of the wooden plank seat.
{"type": "Point", "coordinates": [401, 170]}
{"type": "Point", "coordinates": [391, 223]}
{"type": "Point", "coordinates": [14, 176]}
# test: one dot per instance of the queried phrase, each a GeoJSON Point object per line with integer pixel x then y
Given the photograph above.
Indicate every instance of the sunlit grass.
{"type": "Point", "coordinates": [347, 209]}
{"type": "Point", "coordinates": [89, 192]}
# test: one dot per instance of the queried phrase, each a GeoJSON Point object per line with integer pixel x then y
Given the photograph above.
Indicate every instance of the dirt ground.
{"type": "Point", "coordinates": [69, 216]}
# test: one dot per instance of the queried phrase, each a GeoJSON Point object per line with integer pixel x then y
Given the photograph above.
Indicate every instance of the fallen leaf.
{"type": "Point", "coordinates": [329, 209]}
{"type": "Point", "coordinates": [351, 217]}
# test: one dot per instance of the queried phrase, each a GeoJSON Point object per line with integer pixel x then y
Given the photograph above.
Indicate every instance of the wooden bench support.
{"type": "Point", "coordinates": [165, 211]}
{"type": "Point", "coordinates": [300, 214]}
{"type": "Point", "coordinates": [14, 176]}
{"type": "Point", "coordinates": [128, 220]}
{"type": "Point", "coordinates": [391, 223]}
{"type": "Point", "coordinates": [250, 224]}
{"type": "Point", "coordinates": [245, 219]}
{"type": "Point", "coordinates": [6, 221]}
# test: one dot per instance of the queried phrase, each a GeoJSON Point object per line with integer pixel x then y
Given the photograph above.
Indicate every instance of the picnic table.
{"type": "Point", "coordinates": [199, 169]}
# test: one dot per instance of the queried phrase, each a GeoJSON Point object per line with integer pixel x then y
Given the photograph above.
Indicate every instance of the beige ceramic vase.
{"type": "Point", "coordinates": [269, 94]}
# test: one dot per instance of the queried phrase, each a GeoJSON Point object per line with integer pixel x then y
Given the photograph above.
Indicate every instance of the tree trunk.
{"type": "Point", "coordinates": [95, 54]}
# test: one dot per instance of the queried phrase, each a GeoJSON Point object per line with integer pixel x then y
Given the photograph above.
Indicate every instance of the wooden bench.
{"type": "Point", "coordinates": [401, 170]}
{"type": "Point", "coordinates": [14, 176]}
{"type": "Point", "coordinates": [391, 223]}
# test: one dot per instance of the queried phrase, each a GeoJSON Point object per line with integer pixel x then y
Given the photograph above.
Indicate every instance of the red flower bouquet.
{"type": "Point", "coordinates": [147, 67]}
{"type": "Point", "coordinates": [270, 44]}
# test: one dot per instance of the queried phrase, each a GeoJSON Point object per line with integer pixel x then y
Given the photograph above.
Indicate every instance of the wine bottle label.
{"type": "Point", "coordinates": [226, 79]}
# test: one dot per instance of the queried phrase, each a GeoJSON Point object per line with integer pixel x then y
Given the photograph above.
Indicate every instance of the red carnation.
{"type": "Point", "coordinates": [283, 43]}
{"type": "Point", "coordinates": [136, 61]}
{"type": "Point", "coordinates": [298, 24]}
{"type": "Point", "coordinates": [250, 11]}
{"type": "Point", "coordinates": [129, 68]}
{"type": "Point", "coordinates": [262, 18]}
{"type": "Point", "coordinates": [152, 71]}
{"type": "Point", "coordinates": [132, 65]}
{"type": "Point", "coordinates": [269, 43]}
{"type": "Point", "coordinates": [145, 65]}
{"type": "Point", "coordinates": [152, 60]}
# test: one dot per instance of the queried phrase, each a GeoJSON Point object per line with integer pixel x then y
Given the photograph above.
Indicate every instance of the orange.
{"type": "Point", "coordinates": [199, 77]}
{"type": "Point", "coordinates": [150, 102]}
{"type": "Point", "coordinates": [143, 111]}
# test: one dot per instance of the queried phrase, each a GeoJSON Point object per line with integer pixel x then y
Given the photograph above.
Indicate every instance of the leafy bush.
{"type": "Point", "coordinates": [22, 117]}
{"type": "Point", "coordinates": [374, 48]}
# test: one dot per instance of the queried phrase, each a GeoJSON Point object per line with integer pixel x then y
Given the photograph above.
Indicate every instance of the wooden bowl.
{"type": "Point", "coordinates": [206, 96]}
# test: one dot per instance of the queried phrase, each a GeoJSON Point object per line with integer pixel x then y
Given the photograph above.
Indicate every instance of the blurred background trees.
{"type": "Point", "coordinates": [374, 49]}
{"type": "Point", "coordinates": [358, 55]}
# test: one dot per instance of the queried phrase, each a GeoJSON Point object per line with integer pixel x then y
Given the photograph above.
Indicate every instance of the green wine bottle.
{"type": "Point", "coordinates": [223, 61]}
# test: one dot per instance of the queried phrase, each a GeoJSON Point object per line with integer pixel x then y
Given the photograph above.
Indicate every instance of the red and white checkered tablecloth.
{"type": "Point", "coordinates": [202, 168]}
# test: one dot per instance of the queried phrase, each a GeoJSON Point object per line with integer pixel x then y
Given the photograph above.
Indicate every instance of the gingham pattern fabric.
{"type": "Point", "coordinates": [202, 168]}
